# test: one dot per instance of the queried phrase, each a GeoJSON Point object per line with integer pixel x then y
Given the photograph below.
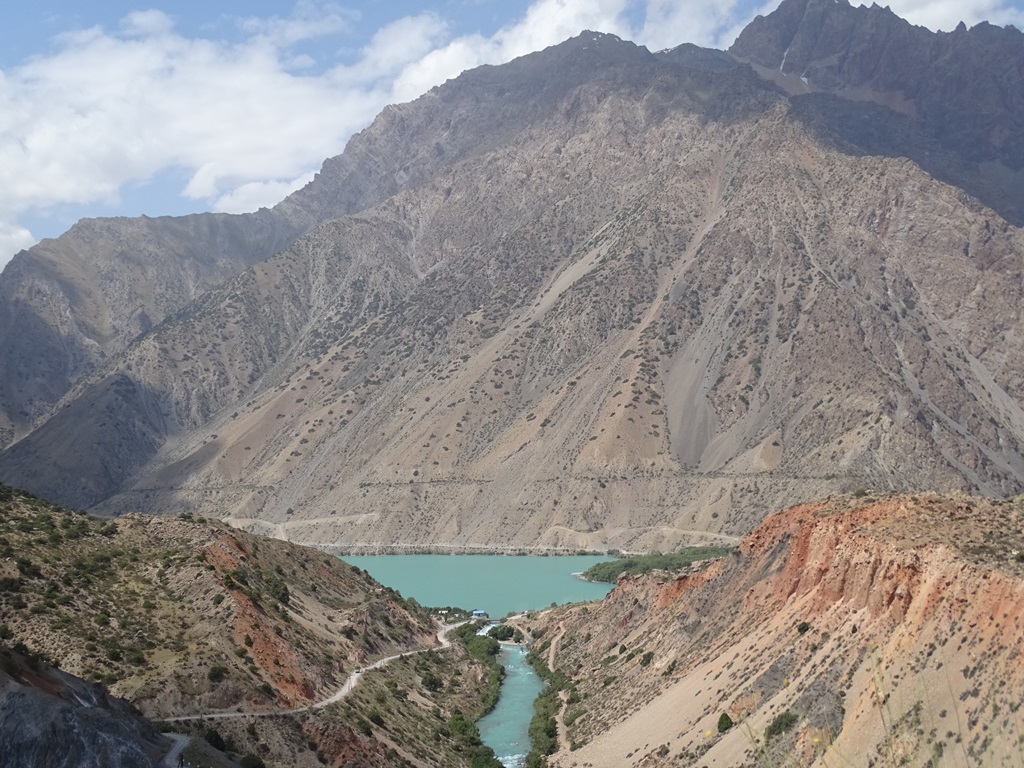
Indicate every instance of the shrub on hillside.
{"type": "Point", "coordinates": [782, 723]}
{"type": "Point", "coordinates": [214, 739]}
{"type": "Point", "coordinates": [217, 673]}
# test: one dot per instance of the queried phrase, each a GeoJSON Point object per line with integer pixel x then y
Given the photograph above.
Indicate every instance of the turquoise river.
{"type": "Point", "coordinates": [498, 584]}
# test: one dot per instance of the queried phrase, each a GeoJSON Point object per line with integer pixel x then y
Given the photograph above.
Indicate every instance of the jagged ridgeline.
{"type": "Point", "coordinates": [181, 616]}
{"type": "Point", "coordinates": [593, 298]}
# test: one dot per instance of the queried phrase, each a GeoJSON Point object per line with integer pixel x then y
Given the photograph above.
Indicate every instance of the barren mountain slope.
{"type": "Point", "coordinates": [658, 299]}
{"type": "Point", "coordinates": [69, 304]}
{"type": "Point", "coordinates": [889, 630]}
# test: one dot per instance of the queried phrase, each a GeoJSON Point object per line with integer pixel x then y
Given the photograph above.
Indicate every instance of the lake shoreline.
{"type": "Point", "coordinates": [361, 550]}
{"type": "Point", "coordinates": [582, 577]}
{"type": "Point", "coordinates": [497, 585]}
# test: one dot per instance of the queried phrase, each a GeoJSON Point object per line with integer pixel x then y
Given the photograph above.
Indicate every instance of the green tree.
{"type": "Point", "coordinates": [217, 673]}
{"type": "Point", "coordinates": [431, 681]}
{"type": "Point", "coordinates": [782, 723]}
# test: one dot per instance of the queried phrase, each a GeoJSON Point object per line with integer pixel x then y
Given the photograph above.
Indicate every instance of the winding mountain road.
{"type": "Point", "coordinates": [181, 742]}
{"type": "Point", "coordinates": [350, 684]}
{"type": "Point", "coordinates": [341, 693]}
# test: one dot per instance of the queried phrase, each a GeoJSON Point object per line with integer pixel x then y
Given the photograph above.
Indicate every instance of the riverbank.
{"type": "Point", "coordinates": [506, 728]}
{"type": "Point", "coordinates": [475, 549]}
{"type": "Point", "coordinates": [522, 587]}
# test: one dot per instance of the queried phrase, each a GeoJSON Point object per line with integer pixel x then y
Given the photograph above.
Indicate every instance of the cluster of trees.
{"type": "Point", "coordinates": [634, 565]}
{"type": "Point", "coordinates": [505, 632]}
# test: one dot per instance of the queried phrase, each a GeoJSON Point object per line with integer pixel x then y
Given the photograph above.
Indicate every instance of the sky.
{"type": "Point", "coordinates": [132, 107]}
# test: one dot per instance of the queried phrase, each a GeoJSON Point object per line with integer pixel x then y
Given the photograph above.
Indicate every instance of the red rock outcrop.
{"type": "Point", "coordinates": [891, 631]}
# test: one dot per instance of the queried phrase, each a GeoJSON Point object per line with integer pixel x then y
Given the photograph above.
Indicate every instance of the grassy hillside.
{"type": "Point", "coordinates": [185, 616]}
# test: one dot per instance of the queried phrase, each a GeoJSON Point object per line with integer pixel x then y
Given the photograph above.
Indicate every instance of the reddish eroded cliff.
{"type": "Point", "coordinates": [890, 629]}
{"type": "Point", "coordinates": [351, 623]}
{"type": "Point", "coordinates": [905, 560]}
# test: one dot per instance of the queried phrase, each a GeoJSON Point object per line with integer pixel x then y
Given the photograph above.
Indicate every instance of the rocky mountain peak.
{"type": "Point", "coordinates": [800, 32]}
{"type": "Point", "coordinates": [871, 54]}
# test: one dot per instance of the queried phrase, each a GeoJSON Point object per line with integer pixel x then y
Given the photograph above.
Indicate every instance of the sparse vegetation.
{"type": "Point", "coordinates": [543, 728]}
{"type": "Point", "coordinates": [131, 608]}
{"type": "Point", "coordinates": [441, 732]}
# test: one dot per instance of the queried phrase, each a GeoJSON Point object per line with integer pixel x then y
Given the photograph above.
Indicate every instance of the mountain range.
{"type": "Point", "coordinates": [597, 297]}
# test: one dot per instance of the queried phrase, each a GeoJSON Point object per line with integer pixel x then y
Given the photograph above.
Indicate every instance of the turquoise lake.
{"type": "Point", "coordinates": [498, 584]}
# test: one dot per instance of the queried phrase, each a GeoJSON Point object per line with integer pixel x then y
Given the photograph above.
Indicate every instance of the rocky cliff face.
{"type": "Point", "coordinates": [596, 298]}
{"type": "Point", "coordinates": [890, 630]}
{"type": "Point", "coordinates": [50, 718]}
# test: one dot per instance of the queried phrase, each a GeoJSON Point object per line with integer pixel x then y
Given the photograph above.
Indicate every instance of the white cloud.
{"type": "Point", "coordinates": [392, 48]}
{"type": "Point", "coordinates": [146, 24]}
{"type": "Point", "coordinates": [259, 194]}
{"type": "Point", "coordinates": [308, 21]}
{"type": "Point", "coordinates": [946, 14]}
{"type": "Point", "coordinates": [111, 108]}
{"type": "Point", "coordinates": [671, 22]}
{"type": "Point", "coordinates": [13, 239]}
